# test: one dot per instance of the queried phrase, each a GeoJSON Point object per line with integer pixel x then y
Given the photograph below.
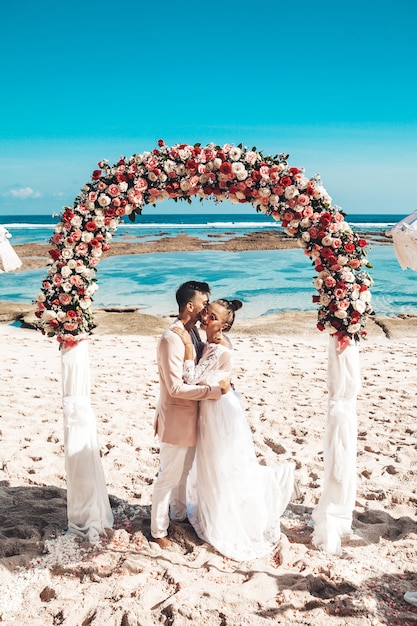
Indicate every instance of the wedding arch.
{"type": "Point", "coordinates": [240, 175]}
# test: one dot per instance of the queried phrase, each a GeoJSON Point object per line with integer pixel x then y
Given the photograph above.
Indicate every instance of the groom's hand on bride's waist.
{"type": "Point", "coordinates": [224, 385]}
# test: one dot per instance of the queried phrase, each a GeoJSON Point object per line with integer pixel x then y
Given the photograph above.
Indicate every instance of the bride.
{"type": "Point", "coordinates": [234, 503]}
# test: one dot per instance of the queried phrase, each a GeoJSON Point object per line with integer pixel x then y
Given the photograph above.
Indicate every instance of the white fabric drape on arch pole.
{"type": "Point", "coordinates": [333, 514]}
{"type": "Point", "coordinates": [88, 508]}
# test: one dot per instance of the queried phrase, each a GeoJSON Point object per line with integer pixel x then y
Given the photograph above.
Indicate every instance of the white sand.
{"type": "Point", "coordinates": [49, 578]}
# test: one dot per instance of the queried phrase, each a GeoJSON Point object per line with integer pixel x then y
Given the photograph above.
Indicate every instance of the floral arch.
{"type": "Point", "coordinates": [241, 175]}
{"type": "Point", "coordinates": [183, 172]}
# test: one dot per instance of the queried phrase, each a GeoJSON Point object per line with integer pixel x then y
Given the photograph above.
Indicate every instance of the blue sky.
{"type": "Point", "coordinates": [333, 84]}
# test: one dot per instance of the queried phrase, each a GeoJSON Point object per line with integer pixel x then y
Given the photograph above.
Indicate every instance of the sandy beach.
{"type": "Point", "coordinates": [48, 577]}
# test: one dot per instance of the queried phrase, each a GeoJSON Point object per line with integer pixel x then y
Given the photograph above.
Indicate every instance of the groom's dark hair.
{"type": "Point", "coordinates": [186, 292]}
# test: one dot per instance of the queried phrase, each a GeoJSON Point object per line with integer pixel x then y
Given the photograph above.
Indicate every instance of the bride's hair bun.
{"type": "Point", "coordinates": [231, 306]}
{"type": "Point", "coordinates": [235, 304]}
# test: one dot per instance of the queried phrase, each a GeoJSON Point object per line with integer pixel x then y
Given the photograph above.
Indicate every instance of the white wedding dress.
{"type": "Point", "coordinates": [234, 503]}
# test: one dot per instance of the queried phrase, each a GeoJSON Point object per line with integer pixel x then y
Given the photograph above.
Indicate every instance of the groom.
{"type": "Point", "coordinates": [176, 412]}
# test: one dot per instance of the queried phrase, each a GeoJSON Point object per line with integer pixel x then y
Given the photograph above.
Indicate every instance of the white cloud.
{"type": "Point", "coordinates": [23, 193]}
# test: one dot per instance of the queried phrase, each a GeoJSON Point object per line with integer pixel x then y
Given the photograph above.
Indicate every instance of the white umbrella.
{"type": "Point", "coordinates": [8, 257]}
{"type": "Point", "coordinates": [404, 236]}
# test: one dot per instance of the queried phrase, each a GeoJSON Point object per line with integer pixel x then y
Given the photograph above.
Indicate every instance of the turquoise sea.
{"type": "Point", "coordinates": [266, 281]}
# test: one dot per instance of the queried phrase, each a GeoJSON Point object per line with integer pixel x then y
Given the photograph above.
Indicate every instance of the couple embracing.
{"type": "Point", "coordinates": [208, 473]}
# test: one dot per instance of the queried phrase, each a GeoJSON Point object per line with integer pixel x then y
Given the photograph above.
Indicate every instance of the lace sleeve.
{"type": "Point", "coordinates": [194, 374]}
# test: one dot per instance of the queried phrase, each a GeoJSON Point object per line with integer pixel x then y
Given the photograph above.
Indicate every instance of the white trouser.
{"type": "Point", "coordinates": [170, 488]}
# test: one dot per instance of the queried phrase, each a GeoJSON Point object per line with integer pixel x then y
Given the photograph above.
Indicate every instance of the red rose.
{"type": "Point", "coordinates": [191, 166]}
{"type": "Point", "coordinates": [349, 247]}
{"type": "Point", "coordinates": [96, 174]}
{"type": "Point", "coordinates": [55, 254]}
{"type": "Point", "coordinates": [316, 298]}
{"type": "Point", "coordinates": [91, 226]}
{"type": "Point", "coordinates": [320, 326]}
{"type": "Point", "coordinates": [161, 143]}
{"type": "Point", "coordinates": [362, 243]}
{"type": "Point", "coordinates": [285, 181]}
{"type": "Point", "coordinates": [71, 314]}
{"type": "Point", "coordinates": [226, 168]}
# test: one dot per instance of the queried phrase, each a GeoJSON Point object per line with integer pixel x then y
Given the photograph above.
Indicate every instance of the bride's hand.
{"type": "Point", "coordinates": [183, 334]}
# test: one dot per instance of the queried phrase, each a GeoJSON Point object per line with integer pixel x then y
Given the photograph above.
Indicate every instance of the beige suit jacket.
{"type": "Point", "coordinates": [177, 408]}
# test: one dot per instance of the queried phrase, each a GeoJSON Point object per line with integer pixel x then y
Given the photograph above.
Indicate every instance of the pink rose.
{"type": "Point", "coordinates": [92, 196]}
{"type": "Point", "coordinates": [336, 243]}
{"type": "Point", "coordinates": [141, 184]}
{"type": "Point", "coordinates": [57, 280]}
{"type": "Point", "coordinates": [264, 171]}
{"type": "Point", "coordinates": [303, 200]}
{"type": "Point", "coordinates": [71, 326]}
{"type": "Point", "coordinates": [113, 190]}
{"type": "Point", "coordinates": [76, 280]}
{"type": "Point", "coordinates": [329, 281]}
{"type": "Point", "coordinates": [82, 248]}
{"type": "Point", "coordinates": [64, 298]}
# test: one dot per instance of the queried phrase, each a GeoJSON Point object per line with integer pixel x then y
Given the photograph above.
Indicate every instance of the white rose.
{"type": "Point", "coordinates": [366, 296]}
{"type": "Point", "coordinates": [66, 286]}
{"type": "Point", "coordinates": [291, 192]}
{"type": "Point", "coordinates": [340, 314]}
{"type": "Point", "coordinates": [61, 316]}
{"type": "Point", "coordinates": [348, 277]}
{"type": "Point", "coordinates": [320, 192]}
{"type": "Point", "coordinates": [184, 184]}
{"type": "Point", "coordinates": [342, 260]}
{"type": "Point", "coordinates": [52, 270]}
{"type": "Point", "coordinates": [235, 153]}
{"type": "Point", "coordinates": [251, 157]}
{"type": "Point", "coordinates": [85, 303]}
{"type": "Point", "coordinates": [103, 200]}
{"type": "Point", "coordinates": [41, 297]}
{"type": "Point", "coordinates": [91, 289]}
{"type": "Point", "coordinates": [90, 205]}
{"type": "Point", "coordinates": [47, 315]}
{"type": "Point", "coordinates": [66, 272]}
{"type": "Point", "coordinates": [152, 177]}
{"type": "Point", "coordinates": [242, 175]}
{"type": "Point", "coordinates": [318, 283]}
{"type": "Point", "coordinates": [184, 154]}
{"type": "Point", "coordinates": [99, 221]}
{"type": "Point", "coordinates": [273, 200]}
{"type": "Point", "coordinates": [181, 169]}
{"type": "Point", "coordinates": [305, 223]}
{"type": "Point", "coordinates": [327, 240]}
{"type": "Point", "coordinates": [76, 221]}
{"type": "Point", "coordinates": [306, 236]}
{"type": "Point", "coordinates": [302, 182]}
{"type": "Point", "coordinates": [139, 159]}
{"type": "Point", "coordinates": [354, 328]}
{"type": "Point", "coordinates": [123, 186]}
{"type": "Point", "coordinates": [359, 305]}
{"type": "Point", "coordinates": [324, 274]}
{"type": "Point", "coordinates": [264, 192]}
{"type": "Point", "coordinates": [86, 237]}
{"type": "Point", "coordinates": [325, 299]}
{"type": "Point", "coordinates": [234, 200]}
{"type": "Point", "coordinates": [67, 253]}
